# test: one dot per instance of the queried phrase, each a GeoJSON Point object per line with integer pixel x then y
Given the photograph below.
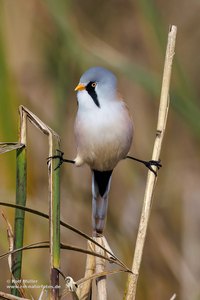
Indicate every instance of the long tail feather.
{"type": "Point", "coordinates": [100, 188]}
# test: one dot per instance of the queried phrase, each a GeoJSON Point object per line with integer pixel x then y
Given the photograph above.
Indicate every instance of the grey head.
{"type": "Point", "coordinates": [99, 75]}
{"type": "Point", "coordinates": [100, 84]}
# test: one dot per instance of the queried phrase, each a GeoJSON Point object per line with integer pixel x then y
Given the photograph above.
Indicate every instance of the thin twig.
{"type": "Point", "coordinates": [45, 244]}
{"type": "Point", "coordinates": [113, 257]}
{"type": "Point", "coordinates": [130, 292]}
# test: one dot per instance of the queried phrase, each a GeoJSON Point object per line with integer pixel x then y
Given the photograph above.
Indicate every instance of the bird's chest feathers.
{"type": "Point", "coordinates": [98, 126]}
{"type": "Point", "coordinates": [100, 138]}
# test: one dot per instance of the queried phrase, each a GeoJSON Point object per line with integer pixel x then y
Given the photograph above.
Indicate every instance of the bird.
{"type": "Point", "coordinates": [103, 133]}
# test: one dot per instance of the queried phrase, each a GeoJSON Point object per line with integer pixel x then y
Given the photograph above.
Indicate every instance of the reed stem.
{"type": "Point", "coordinates": [130, 292]}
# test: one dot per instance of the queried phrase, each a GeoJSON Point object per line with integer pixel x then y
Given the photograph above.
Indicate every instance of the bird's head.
{"type": "Point", "coordinates": [97, 86]}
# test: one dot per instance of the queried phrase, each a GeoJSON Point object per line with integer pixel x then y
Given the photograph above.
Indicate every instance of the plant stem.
{"type": "Point", "coordinates": [54, 217]}
{"type": "Point", "coordinates": [54, 199]}
{"type": "Point", "coordinates": [21, 179]}
{"type": "Point", "coordinates": [130, 292]}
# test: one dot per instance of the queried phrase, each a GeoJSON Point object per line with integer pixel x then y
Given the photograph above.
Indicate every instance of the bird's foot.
{"type": "Point", "coordinates": [61, 159]}
{"type": "Point", "coordinates": [151, 163]}
{"type": "Point", "coordinates": [96, 234]}
{"type": "Point", "coordinates": [148, 164]}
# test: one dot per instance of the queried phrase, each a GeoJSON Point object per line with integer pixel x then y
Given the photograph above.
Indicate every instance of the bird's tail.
{"type": "Point", "coordinates": [100, 188]}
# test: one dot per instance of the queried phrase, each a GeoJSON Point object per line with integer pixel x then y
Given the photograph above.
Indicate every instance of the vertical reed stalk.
{"type": "Point", "coordinates": [54, 199]}
{"type": "Point", "coordinates": [130, 292]}
{"type": "Point", "coordinates": [95, 266]}
{"type": "Point", "coordinates": [100, 267]}
{"type": "Point", "coordinates": [21, 179]}
{"type": "Point", "coordinates": [54, 217]}
{"type": "Point", "coordinates": [85, 290]}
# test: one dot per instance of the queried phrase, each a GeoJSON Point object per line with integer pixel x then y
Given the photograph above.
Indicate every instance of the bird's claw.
{"type": "Point", "coordinates": [59, 156]}
{"type": "Point", "coordinates": [155, 163]}
{"type": "Point", "coordinates": [61, 159]}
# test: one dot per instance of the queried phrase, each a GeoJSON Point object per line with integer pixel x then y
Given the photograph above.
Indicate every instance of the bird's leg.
{"type": "Point", "coordinates": [148, 164]}
{"type": "Point", "coordinates": [61, 159]}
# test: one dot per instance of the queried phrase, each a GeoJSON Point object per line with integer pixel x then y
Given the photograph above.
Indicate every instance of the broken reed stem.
{"type": "Point", "coordinates": [130, 292]}
{"type": "Point", "coordinates": [54, 195]}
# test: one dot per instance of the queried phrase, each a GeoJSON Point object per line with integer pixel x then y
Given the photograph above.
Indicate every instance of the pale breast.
{"type": "Point", "coordinates": [104, 137]}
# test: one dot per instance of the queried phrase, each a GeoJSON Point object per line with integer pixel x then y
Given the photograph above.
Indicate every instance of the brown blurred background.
{"type": "Point", "coordinates": [44, 48]}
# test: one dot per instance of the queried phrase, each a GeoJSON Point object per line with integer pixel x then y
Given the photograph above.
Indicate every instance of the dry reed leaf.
{"type": "Point", "coordinates": [6, 147]}
{"type": "Point", "coordinates": [10, 236]}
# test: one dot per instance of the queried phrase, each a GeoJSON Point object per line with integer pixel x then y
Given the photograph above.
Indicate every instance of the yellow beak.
{"type": "Point", "coordinates": [80, 87]}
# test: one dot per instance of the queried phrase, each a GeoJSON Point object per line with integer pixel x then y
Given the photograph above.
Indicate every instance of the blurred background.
{"type": "Point", "coordinates": [45, 46]}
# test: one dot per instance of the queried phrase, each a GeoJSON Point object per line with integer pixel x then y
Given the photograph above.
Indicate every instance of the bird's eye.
{"type": "Point", "coordinates": [93, 84]}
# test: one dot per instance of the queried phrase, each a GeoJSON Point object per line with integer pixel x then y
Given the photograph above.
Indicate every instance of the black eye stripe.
{"type": "Point", "coordinates": [90, 88]}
